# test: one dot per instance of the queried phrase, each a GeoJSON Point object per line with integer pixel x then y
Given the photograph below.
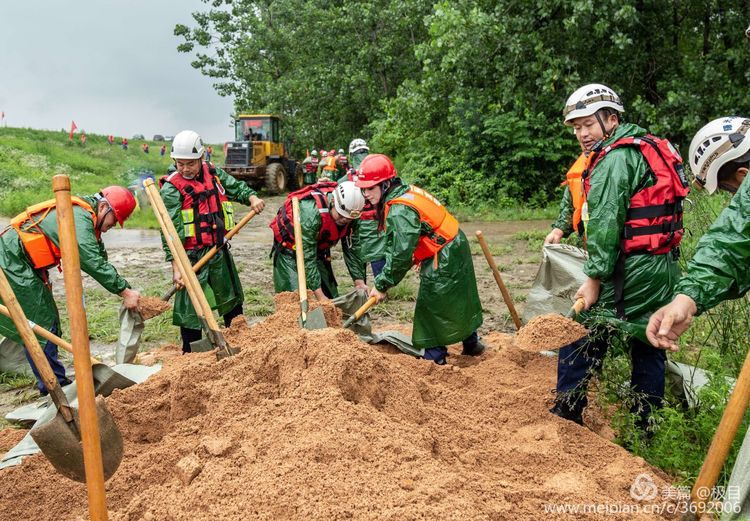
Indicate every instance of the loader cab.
{"type": "Point", "coordinates": [262, 127]}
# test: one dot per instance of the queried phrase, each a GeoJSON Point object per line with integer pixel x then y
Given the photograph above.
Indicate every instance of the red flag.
{"type": "Point", "coordinates": [73, 127]}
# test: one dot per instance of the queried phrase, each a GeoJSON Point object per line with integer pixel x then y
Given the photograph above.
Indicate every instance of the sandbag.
{"type": "Point", "coordinates": [350, 303]}
{"type": "Point", "coordinates": [131, 329]}
{"type": "Point", "coordinates": [559, 276]}
{"type": "Point", "coordinates": [12, 358]}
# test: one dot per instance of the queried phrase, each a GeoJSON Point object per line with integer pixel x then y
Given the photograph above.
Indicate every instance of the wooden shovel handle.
{"type": "Point", "coordinates": [172, 238]}
{"type": "Point", "coordinates": [496, 273]}
{"type": "Point", "coordinates": [214, 249]}
{"type": "Point", "coordinates": [361, 311]}
{"type": "Point", "coordinates": [79, 334]}
{"type": "Point", "coordinates": [300, 256]}
{"type": "Point", "coordinates": [723, 438]}
{"type": "Point", "coordinates": [48, 335]}
{"type": "Point", "coordinates": [24, 330]}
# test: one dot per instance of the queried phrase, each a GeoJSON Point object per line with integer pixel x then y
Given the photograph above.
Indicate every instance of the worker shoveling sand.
{"type": "Point", "coordinates": [150, 307]}
{"type": "Point", "coordinates": [549, 331]}
{"type": "Point", "coordinates": [318, 425]}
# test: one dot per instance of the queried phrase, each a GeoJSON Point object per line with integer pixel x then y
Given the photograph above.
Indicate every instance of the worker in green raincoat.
{"type": "Point", "coordinates": [420, 231]}
{"type": "Point", "coordinates": [720, 268]}
{"type": "Point", "coordinates": [29, 247]}
{"type": "Point", "coordinates": [327, 211]}
{"type": "Point", "coordinates": [366, 233]}
{"type": "Point", "coordinates": [621, 289]}
{"type": "Point", "coordinates": [198, 198]}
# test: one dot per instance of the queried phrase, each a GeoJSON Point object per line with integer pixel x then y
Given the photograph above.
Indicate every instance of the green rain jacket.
{"type": "Point", "coordinates": [318, 270]}
{"type": "Point", "coordinates": [720, 268]}
{"type": "Point", "coordinates": [219, 278]}
{"type": "Point", "coordinates": [448, 308]}
{"type": "Point", "coordinates": [28, 284]}
{"type": "Point", "coordinates": [649, 279]}
{"type": "Point", "coordinates": [366, 235]}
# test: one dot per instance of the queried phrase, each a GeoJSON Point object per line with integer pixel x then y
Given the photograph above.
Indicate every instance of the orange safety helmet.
{"type": "Point", "coordinates": [375, 169]}
{"type": "Point", "coordinates": [121, 201]}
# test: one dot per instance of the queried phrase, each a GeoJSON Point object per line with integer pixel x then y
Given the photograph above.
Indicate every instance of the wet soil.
{"type": "Point", "coordinates": [549, 331]}
{"type": "Point", "coordinates": [318, 425]}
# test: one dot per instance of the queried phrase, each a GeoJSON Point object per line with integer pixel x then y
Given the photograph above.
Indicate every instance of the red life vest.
{"type": "Point", "coordinates": [207, 213]}
{"type": "Point", "coordinates": [653, 222]}
{"type": "Point", "coordinates": [443, 225]}
{"type": "Point", "coordinates": [41, 251]}
{"type": "Point", "coordinates": [312, 166]}
{"type": "Point", "coordinates": [344, 162]}
{"type": "Point", "coordinates": [330, 233]}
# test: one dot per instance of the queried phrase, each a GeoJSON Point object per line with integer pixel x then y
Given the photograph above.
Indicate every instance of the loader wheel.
{"type": "Point", "coordinates": [275, 178]}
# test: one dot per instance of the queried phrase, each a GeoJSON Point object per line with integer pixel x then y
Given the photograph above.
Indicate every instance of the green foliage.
{"type": "Point", "coordinates": [15, 381]}
{"type": "Point", "coordinates": [467, 95]}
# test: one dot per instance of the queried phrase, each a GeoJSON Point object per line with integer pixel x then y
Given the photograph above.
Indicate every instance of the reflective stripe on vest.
{"type": "Point", "coordinates": [207, 214]}
{"type": "Point", "coordinates": [443, 225]}
{"type": "Point", "coordinates": [39, 248]}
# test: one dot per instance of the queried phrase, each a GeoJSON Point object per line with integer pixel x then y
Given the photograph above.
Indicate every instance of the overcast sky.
{"type": "Point", "coordinates": [112, 66]}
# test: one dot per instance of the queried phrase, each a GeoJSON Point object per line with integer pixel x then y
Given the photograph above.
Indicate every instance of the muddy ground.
{"type": "Point", "coordinates": [138, 256]}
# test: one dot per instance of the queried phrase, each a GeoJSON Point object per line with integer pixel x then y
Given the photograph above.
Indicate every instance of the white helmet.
{"type": "Point", "coordinates": [314, 153]}
{"type": "Point", "coordinates": [348, 200]}
{"type": "Point", "coordinates": [324, 153]}
{"type": "Point", "coordinates": [721, 141]}
{"type": "Point", "coordinates": [187, 145]}
{"type": "Point", "coordinates": [340, 152]}
{"type": "Point", "coordinates": [589, 99]}
{"type": "Point", "coordinates": [358, 145]}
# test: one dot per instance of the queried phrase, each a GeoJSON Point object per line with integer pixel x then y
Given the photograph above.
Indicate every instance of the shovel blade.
{"type": "Point", "coordinates": [60, 442]}
{"type": "Point", "coordinates": [107, 380]}
{"type": "Point", "coordinates": [201, 346]}
{"type": "Point", "coordinates": [315, 320]}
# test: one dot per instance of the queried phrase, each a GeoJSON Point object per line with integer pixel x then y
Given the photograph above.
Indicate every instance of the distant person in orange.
{"type": "Point", "coordinates": [163, 150]}
{"type": "Point", "coordinates": [209, 151]}
{"type": "Point", "coordinates": [124, 143]}
{"type": "Point", "coordinates": [145, 148]}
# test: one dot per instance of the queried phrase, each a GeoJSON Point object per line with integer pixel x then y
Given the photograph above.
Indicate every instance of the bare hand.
{"type": "Point", "coordinates": [130, 298]}
{"type": "Point", "coordinates": [667, 324]}
{"type": "Point", "coordinates": [320, 296]}
{"type": "Point", "coordinates": [360, 284]}
{"type": "Point", "coordinates": [554, 237]}
{"type": "Point", "coordinates": [177, 276]}
{"type": "Point", "coordinates": [589, 292]}
{"type": "Point", "coordinates": [257, 204]}
{"type": "Point", "coordinates": [380, 296]}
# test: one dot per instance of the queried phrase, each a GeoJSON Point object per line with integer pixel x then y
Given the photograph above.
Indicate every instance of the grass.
{"type": "Point", "coordinates": [488, 212]}
{"type": "Point", "coordinates": [29, 158]}
{"type": "Point", "coordinates": [10, 381]}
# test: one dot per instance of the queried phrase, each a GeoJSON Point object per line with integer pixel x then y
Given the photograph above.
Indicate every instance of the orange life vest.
{"type": "Point", "coordinates": [39, 248]}
{"type": "Point", "coordinates": [574, 182]}
{"type": "Point", "coordinates": [443, 225]}
{"type": "Point", "coordinates": [329, 163]}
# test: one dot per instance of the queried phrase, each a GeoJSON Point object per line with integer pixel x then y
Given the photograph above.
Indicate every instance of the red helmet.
{"type": "Point", "coordinates": [375, 169]}
{"type": "Point", "coordinates": [121, 201]}
{"type": "Point", "coordinates": [332, 152]}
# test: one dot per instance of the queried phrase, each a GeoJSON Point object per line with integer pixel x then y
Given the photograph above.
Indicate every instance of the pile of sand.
{"type": "Point", "coordinates": [549, 331]}
{"type": "Point", "coordinates": [318, 425]}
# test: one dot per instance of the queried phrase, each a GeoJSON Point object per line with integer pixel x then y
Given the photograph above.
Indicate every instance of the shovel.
{"type": "Point", "coordinates": [364, 308]}
{"type": "Point", "coordinates": [308, 319]}
{"type": "Point", "coordinates": [214, 339]}
{"type": "Point", "coordinates": [106, 379]}
{"type": "Point", "coordinates": [496, 273]}
{"type": "Point", "coordinates": [210, 253]}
